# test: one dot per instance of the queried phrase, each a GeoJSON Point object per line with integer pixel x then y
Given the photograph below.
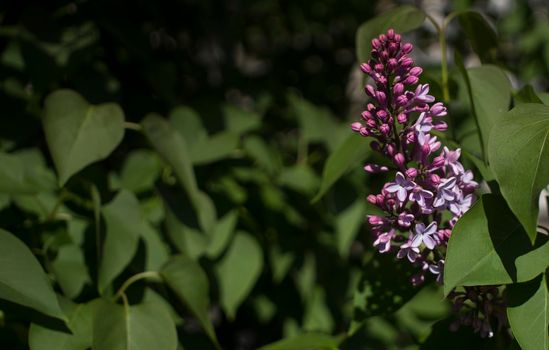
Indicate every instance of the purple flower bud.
{"type": "Point", "coordinates": [440, 126]}
{"type": "Point", "coordinates": [382, 37]}
{"type": "Point", "coordinates": [382, 114]}
{"type": "Point", "coordinates": [376, 44]}
{"type": "Point", "coordinates": [376, 146]}
{"type": "Point", "coordinates": [366, 115]}
{"type": "Point", "coordinates": [405, 219]}
{"type": "Point", "coordinates": [399, 160]}
{"type": "Point", "coordinates": [392, 48]}
{"type": "Point", "coordinates": [372, 199]}
{"type": "Point", "coordinates": [365, 67]}
{"type": "Point", "coordinates": [402, 118]}
{"type": "Point", "coordinates": [381, 97]}
{"type": "Point", "coordinates": [435, 179]}
{"type": "Point", "coordinates": [392, 63]}
{"type": "Point", "coordinates": [398, 89]}
{"type": "Point", "coordinates": [385, 129]}
{"type": "Point", "coordinates": [364, 132]}
{"type": "Point", "coordinates": [438, 110]}
{"type": "Point", "coordinates": [356, 126]}
{"type": "Point", "coordinates": [411, 80]}
{"type": "Point", "coordinates": [401, 100]}
{"type": "Point", "coordinates": [391, 33]}
{"type": "Point", "coordinates": [390, 149]}
{"type": "Point", "coordinates": [379, 68]}
{"type": "Point", "coordinates": [437, 162]}
{"type": "Point", "coordinates": [375, 220]}
{"type": "Point", "coordinates": [411, 172]}
{"type": "Point", "coordinates": [407, 48]}
{"type": "Point", "coordinates": [406, 62]}
{"type": "Point", "coordinates": [370, 90]}
{"type": "Point", "coordinates": [416, 71]}
{"type": "Point", "coordinates": [371, 123]}
{"type": "Point", "coordinates": [370, 107]}
{"type": "Point", "coordinates": [397, 38]}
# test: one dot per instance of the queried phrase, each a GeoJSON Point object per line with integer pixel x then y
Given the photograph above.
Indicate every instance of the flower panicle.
{"type": "Point", "coordinates": [431, 189]}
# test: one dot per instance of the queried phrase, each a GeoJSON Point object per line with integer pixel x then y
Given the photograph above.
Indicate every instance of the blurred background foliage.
{"type": "Point", "coordinates": [262, 92]}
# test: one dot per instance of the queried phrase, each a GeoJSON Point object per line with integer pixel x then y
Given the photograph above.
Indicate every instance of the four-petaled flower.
{"type": "Point", "coordinates": [426, 235]}
{"type": "Point", "coordinates": [445, 192]}
{"type": "Point", "coordinates": [401, 186]}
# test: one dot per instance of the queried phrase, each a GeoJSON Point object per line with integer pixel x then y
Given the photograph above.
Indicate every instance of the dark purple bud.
{"type": "Point", "coordinates": [365, 67]}
{"type": "Point", "coordinates": [364, 132]}
{"type": "Point", "coordinates": [397, 38]}
{"type": "Point", "coordinates": [384, 55]}
{"type": "Point", "coordinates": [425, 149]}
{"type": "Point", "coordinates": [440, 126]}
{"type": "Point", "coordinates": [438, 162]}
{"type": "Point", "coordinates": [381, 97]}
{"type": "Point", "coordinates": [372, 199]}
{"type": "Point", "coordinates": [385, 129]}
{"type": "Point", "coordinates": [370, 91]}
{"type": "Point", "coordinates": [391, 203]}
{"type": "Point", "coordinates": [370, 107]}
{"type": "Point", "coordinates": [411, 80]}
{"type": "Point", "coordinates": [416, 71]}
{"type": "Point", "coordinates": [401, 100]}
{"type": "Point", "coordinates": [399, 160]}
{"type": "Point", "coordinates": [392, 63]}
{"type": "Point", "coordinates": [376, 146]}
{"type": "Point", "coordinates": [435, 179]}
{"type": "Point", "coordinates": [378, 67]}
{"type": "Point", "coordinates": [376, 44]}
{"type": "Point", "coordinates": [438, 110]}
{"type": "Point", "coordinates": [375, 220]}
{"type": "Point", "coordinates": [398, 89]}
{"type": "Point", "coordinates": [406, 62]}
{"type": "Point", "coordinates": [411, 173]}
{"type": "Point", "coordinates": [391, 149]}
{"type": "Point", "coordinates": [366, 115]}
{"type": "Point", "coordinates": [371, 123]}
{"type": "Point", "coordinates": [402, 118]}
{"type": "Point", "coordinates": [411, 137]}
{"type": "Point", "coordinates": [382, 114]}
{"type": "Point", "coordinates": [422, 108]}
{"type": "Point", "coordinates": [392, 48]}
{"type": "Point", "coordinates": [391, 33]}
{"type": "Point", "coordinates": [382, 37]}
{"type": "Point", "coordinates": [407, 48]}
{"type": "Point", "coordinates": [356, 126]}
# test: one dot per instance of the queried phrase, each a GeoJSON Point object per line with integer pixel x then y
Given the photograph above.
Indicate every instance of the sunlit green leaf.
{"type": "Point", "coordinates": [519, 157]}
{"type": "Point", "coordinates": [306, 341]}
{"type": "Point", "coordinates": [489, 246]}
{"type": "Point", "coordinates": [78, 133]}
{"type": "Point", "coordinates": [528, 312]}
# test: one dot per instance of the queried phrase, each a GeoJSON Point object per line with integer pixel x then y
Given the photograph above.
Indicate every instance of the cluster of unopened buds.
{"type": "Point", "coordinates": [431, 189]}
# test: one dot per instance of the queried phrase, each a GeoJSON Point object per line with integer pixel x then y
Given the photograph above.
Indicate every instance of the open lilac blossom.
{"type": "Point", "coordinates": [429, 181]}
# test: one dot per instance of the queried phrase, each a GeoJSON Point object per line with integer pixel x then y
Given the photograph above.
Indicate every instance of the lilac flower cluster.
{"type": "Point", "coordinates": [429, 180]}
{"type": "Point", "coordinates": [431, 189]}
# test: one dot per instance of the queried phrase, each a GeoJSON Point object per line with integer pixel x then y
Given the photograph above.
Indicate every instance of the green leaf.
{"type": "Point", "coordinates": [124, 226]}
{"type": "Point", "coordinates": [489, 95]}
{"type": "Point", "coordinates": [240, 121]}
{"type": "Point", "coordinates": [483, 38]}
{"type": "Point", "coordinates": [317, 316]}
{"type": "Point", "coordinates": [221, 234]}
{"type": "Point", "coordinates": [189, 282]}
{"type": "Point", "coordinates": [489, 246]}
{"type": "Point", "coordinates": [519, 157]}
{"type": "Point", "coordinates": [70, 270]}
{"type": "Point", "coordinates": [528, 313]}
{"type": "Point", "coordinates": [141, 327]}
{"type": "Point", "coordinates": [78, 133]}
{"type": "Point", "coordinates": [347, 224]}
{"type": "Point", "coordinates": [402, 19]}
{"type": "Point", "coordinates": [526, 95]}
{"type": "Point", "coordinates": [172, 147]}
{"type": "Point", "coordinates": [442, 337]}
{"type": "Point", "coordinates": [22, 279]}
{"type": "Point", "coordinates": [301, 178]}
{"type": "Point", "coordinates": [14, 178]}
{"type": "Point", "coordinates": [349, 154]}
{"type": "Point", "coordinates": [188, 123]}
{"type": "Point", "coordinates": [79, 322]}
{"type": "Point", "coordinates": [238, 272]}
{"type": "Point", "coordinates": [306, 341]}
{"type": "Point", "coordinates": [141, 169]}
{"type": "Point", "coordinates": [215, 148]}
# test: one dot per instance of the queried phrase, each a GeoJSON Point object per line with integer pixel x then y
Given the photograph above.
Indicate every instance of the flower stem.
{"type": "Point", "coordinates": [142, 275]}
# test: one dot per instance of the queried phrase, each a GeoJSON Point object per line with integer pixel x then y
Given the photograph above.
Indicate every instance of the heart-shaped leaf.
{"type": "Point", "coordinates": [79, 133]}
{"type": "Point", "coordinates": [519, 158]}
